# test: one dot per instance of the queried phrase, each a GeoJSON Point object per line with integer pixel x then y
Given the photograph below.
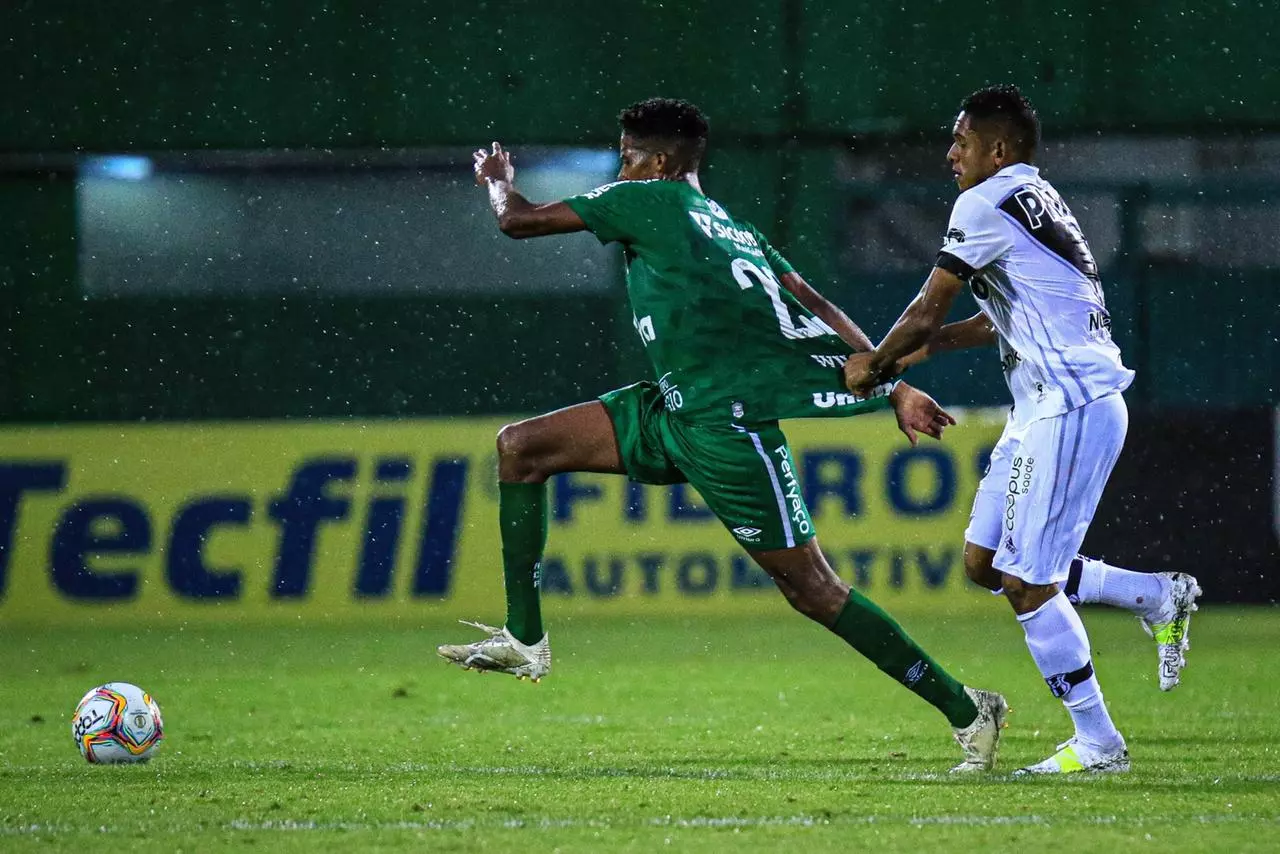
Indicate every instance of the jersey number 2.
{"type": "Point", "coordinates": [807, 327]}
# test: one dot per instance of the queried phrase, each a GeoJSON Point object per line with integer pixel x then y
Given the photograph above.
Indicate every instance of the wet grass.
{"type": "Point", "coordinates": [711, 734]}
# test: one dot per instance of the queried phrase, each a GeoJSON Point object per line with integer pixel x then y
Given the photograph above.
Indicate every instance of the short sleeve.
{"type": "Point", "coordinates": [976, 236]}
{"type": "Point", "coordinates": [617, 211]}
{"type": "Point", "coordinates": [780, 265]}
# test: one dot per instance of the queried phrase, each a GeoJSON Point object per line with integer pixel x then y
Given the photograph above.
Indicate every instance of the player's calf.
{"type": "Point", "coordinates": [806, 580]}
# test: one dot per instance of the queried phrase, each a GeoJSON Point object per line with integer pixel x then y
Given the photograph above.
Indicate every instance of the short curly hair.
{"type": "Point", "coordinates": [1003, 109]}
{"type": "Point", "coordinates": [677, 123]}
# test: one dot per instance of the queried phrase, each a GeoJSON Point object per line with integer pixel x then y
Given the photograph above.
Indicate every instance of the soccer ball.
{"type": "Point", "coordinates": [117, 723]}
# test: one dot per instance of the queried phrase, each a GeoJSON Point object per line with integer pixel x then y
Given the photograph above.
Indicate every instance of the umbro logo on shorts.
{"type": "Point", "coordinates": [747, 534]}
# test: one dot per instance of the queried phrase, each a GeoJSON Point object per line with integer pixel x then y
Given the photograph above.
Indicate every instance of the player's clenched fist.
{"type": "Point", "coordinates": [859, 377]}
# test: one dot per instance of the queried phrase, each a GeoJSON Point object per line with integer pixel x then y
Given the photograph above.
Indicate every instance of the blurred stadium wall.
{"type": "Point", "coordinates": [262, 211]}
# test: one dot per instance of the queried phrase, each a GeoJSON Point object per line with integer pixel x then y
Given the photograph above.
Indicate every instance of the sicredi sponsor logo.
{"type": "Point", "coordinates": [714, 229]}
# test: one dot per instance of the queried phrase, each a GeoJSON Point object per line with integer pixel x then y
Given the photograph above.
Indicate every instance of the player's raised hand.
{"type": "Point", "coordinates": [917, 412]}
{"type": "Point", "coordinates": [493, 165]}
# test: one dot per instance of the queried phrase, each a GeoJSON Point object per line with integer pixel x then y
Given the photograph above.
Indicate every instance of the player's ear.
{"type": "Point", "coordinates": [1000, 153]}
{"type": "Point", "coordinates": [660, 161]}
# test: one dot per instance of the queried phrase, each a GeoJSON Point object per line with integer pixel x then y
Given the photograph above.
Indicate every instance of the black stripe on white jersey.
{"type": "Point", "coordinates": [1041, 211]}
{"type": "Point", "coordinates": [954, 266]}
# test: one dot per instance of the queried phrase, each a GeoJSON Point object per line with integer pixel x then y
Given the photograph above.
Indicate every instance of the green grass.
{"type": "Point", "coordinates": [710, 734]}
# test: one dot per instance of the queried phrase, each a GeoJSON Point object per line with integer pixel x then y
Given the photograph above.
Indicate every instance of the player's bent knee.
{"type": "Point", "coordinates": [817, 600]}
{"type": "Point", "coordinates": [808, 604]}
{"type": "Point", "coordinates": [516, 461]}
{"type": "Point", "coordinates": [1025, 597]}
{"type": "Point", "coordinates": [808, 582]}
{"type": "Point", "coordinates": [510, 440]}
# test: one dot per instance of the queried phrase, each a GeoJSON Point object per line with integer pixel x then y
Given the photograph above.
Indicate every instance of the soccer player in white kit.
{"type": "Point", "coordinates": [1020, 250]}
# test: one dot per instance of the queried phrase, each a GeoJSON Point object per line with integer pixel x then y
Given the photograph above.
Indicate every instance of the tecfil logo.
{"type": "Point", "coordinates": [319, 494]}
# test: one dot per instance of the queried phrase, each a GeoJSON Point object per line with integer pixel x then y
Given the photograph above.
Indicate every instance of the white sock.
{"type": "Point", "coordinates": [1140, 592]}
{"type": "Point", "coordinates": [1059, 645]}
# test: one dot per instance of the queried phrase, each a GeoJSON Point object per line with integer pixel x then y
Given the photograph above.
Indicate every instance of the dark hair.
{"type": "Point", "coordinates": [1006, 110]}
{"type": "Point", "coordinates": [678, 123]}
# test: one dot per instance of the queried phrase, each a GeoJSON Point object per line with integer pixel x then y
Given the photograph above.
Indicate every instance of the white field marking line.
{"type": "Point", "coordinates": [748, 775]}
{"type": "Point", "coordinates": [692, 822]}
{"type": "Point", "coordinates": [691, 773]}
{"type": "Point", "coordinates": [608, 772]}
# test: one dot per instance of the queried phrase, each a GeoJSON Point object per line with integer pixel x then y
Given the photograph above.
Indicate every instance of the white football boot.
{"type": "Point", "coordinates": [1075, 757]}
{"type": "Point", "coordinates": [500, 652]}
{"type": "Point", "coordinates": [980, 740]}
{"type": "Point", "coordinates": [1170, 625]}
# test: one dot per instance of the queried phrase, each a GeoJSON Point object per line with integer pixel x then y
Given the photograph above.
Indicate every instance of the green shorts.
{"type": "Point", "coordinates": [744, 473]}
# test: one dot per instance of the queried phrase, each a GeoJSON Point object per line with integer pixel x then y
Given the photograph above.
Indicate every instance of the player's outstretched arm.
{"type": "Point", "coordinates": [976, 331]}
{"type": "Point", "coordinates": [827, 311]}
{"type": "Point", "coordinates": [920, 322]}
{"type": "Point", "coordinates": [517, 216]}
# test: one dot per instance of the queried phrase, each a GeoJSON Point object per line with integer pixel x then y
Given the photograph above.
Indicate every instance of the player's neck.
{"type": "Point", "coordinates": [691, 178]}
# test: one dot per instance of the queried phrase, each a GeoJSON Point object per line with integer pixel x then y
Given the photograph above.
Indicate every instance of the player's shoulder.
{"type": "Point", "coordinates": [980, 204]}
{"type": "Point", "coordinates": [999, 187]}
{"type": "Point", "coordinates": [984, 196]}
{"type": "Point", "coordinates": [630, 189]}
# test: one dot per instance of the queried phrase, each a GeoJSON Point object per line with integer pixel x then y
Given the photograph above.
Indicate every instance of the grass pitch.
{"type": "Point", "coordinates": [715, 734]}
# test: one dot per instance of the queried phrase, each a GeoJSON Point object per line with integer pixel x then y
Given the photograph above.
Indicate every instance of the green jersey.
{"type": "Point", "coordinates": [727, 341]}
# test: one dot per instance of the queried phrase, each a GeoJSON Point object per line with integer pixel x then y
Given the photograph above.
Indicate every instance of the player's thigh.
{"type": "Point", "coordinates": [576, 438]}
{"type": "Point", "coordinates": [747, 476]}
{"type": "Point", "coordinates": [642, 433]}
{"type": "Point", "coordinates": [979, 566]}
{"type": "Point", "coordinates": [1056, 479]}
{"type": "Point", "coordinates": [986, 519]}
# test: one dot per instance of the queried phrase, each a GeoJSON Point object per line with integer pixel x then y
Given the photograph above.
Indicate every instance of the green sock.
{"type": "Point", "coordinates": [522, 515]}
{"type": "Point", "coordinates": [868, 629]}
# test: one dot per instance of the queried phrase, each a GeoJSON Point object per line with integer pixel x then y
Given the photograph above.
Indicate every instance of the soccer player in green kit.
{"type": "Point", "coordinates": [738, 341]}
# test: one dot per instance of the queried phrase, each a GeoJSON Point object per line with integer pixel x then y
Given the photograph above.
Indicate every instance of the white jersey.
{"type": "Point", "coordinates": [1019, 247]}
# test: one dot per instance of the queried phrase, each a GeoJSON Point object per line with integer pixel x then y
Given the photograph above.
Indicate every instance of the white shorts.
{"type": "Point", "coordinates": [1042, 488]}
